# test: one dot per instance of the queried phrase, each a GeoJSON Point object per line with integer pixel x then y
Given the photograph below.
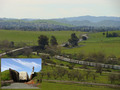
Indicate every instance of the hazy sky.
{"type": "Point", "coordinates": [44, 9]}
{"type": "Point", "coordinates": [20, 64]}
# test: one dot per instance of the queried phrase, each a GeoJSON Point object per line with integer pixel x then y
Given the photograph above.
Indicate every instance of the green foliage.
{"type": "Point", "coordinates": [5, 75]}
{"type": "Point", "coordinates": [42, 41]}
{"type": "Point", "coordinates": [53, 41]}
{"type": "Point", "coordinates": [114, 78]}
{"type": "Point", "coordinates": [73, 40]}
{"type": "Point", "coordinates": [95, 43]}
{"type": "Point", "coordinates": [113, 34]}
{"type": "Point", "coordinates": [53, 50]}
{"type": "Point", "coordinates": [27, 52]}
{"type": "Point", "coordinates": [31, 37]}
{"type": "Point", "coordinates": [99, 69]}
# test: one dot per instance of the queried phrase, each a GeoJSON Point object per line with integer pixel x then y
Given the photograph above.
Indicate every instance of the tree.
{"type": "Point", "coordinates": [99, 69]}
{"type": "Point", "coordinates": [28, 52]}
{"type": "Point", "coordinates": [53, 41]}
{"type": "Point", "coordinates": [48, 75]}
{"type": "Point", "coordinates": [103, 33]}
{"type": "Point", "coordinates": [79, 76]}
{"type": "Point", "coordinates": [112, 78]}
{"type": "Point", "coordinates": [94, 76]}
{"type": "Point", "coordinates": [107, 35]}
{"type": "Point", "coordinates": [88, 72]}
{"type": "Point", "coordinates": [11, 44]}
{"type": "Point", "coordinates": [55, 74]}
{"type": "Point", "coordinates": [73, 40]}
{"type": "Point", "coordinates": [43, 41]}
{"type": "Point", "coordinates": [53, 50]}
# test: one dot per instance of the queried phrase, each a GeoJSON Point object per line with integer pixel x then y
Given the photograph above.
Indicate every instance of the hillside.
{"type": "Point", "coordinates": [5, 75]}
{"type": "Point", "coordinates": [92, 18]}
{"type": "Point", "coordinates": [26, 24]}
{"type": "Point", "coordinates": [82, 23]}
{"type": "Point", "coordinates": [91, 21]}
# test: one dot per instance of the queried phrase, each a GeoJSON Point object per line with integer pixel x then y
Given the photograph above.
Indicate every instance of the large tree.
{"type": "Point", "coordinates": [42, 41]}
{"type": "Point", "coordinates": [53, 41]}
{"type": "Point", "coordinates": [73, 40]}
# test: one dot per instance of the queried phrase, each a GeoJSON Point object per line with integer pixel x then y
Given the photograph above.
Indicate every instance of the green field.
{"type": "Point", "coordinates": [72, 86]}
{"type": "Point", "coordinates": [31, 37]}
{"type": "Point", "coordinates": [65, 86]}
{"type": "Point", "coordinates": [97, 42]}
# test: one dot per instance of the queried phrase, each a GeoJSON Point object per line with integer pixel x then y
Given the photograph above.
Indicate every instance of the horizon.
{"type": "Point", "coordinates": [62, 17]}
{"type": "Point", "coordinates": [39, 9]}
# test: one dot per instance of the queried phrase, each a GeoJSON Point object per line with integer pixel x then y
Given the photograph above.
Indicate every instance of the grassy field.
{"type": "Point", "coordinates": [99, 78]}
{"type": "Point", "coordinates": [31, 37]}
{"type": "Point", "coordinates": [65, 86]}
{"type": "Point", "coordinates": [97, 42]}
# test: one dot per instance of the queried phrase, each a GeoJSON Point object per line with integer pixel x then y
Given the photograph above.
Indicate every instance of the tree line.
{"type": "Point", "coordinates": [113, 34]}
{"type": "Point", "coordinates": [42, 25]}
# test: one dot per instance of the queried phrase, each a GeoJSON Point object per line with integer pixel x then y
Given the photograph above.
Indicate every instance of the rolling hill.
{"type": "Point", "coordinates": [91, 21]}
{"type": "Point", "coordinates": [82, 23]}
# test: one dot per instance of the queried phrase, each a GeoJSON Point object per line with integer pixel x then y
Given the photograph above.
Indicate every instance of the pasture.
{"type": "Point", "coordinates": [97, 42]}
{"type": "Point", "coordinates": [31, 37]}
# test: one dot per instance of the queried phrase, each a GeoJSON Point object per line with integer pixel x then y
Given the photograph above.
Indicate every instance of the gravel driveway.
{"type": "Point", "coordinates": [19, 86]}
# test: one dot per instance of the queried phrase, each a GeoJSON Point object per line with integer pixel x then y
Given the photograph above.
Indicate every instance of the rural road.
{"type": "Point", "coordinates": [19, 86]}
{"type": "Point", "coordinates": [2, 54]}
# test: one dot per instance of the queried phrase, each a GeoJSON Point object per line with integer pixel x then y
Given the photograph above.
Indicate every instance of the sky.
{"type": "Point", "coordinates": [20, 64]}
{"type": "Point", "coordinates": [47, 9]}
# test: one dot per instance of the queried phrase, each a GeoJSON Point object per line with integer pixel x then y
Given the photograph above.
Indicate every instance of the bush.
{"type": "Point", "coordinates": [70, 66]}
{"type": "Point", "coordinates": [61, 64]}
{"type": "Point", "coordinates": [5, 75]}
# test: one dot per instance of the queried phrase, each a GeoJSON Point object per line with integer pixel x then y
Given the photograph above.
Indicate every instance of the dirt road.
{"type": "Point", "coordinates": [19, 86]}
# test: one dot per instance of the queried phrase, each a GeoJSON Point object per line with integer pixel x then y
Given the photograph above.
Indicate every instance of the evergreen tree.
{"type": "Point", "coordinates": [74, 40]}
{"type": "Point", "coordinates": [53, 41]}
{"type": "Point", "coordinates": [43, 40]}
{"type": "Point", "coordinates": [107, 35]}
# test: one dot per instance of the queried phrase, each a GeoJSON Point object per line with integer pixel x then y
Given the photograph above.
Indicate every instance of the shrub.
{"type": "Point", "coordinates": [5, 75]}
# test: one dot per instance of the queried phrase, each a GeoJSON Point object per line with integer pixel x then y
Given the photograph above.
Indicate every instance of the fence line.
{"type": "Point", "coordinates": [87, 63]}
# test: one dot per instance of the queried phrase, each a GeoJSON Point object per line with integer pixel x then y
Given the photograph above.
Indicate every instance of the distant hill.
{"type": "Point", "coordinates": [92, 18]}
{"type": "Point", "coordinates": [82, 23]}
{"type": "Point", "coordinates": [31, 24]}
{"type": "Point", "coordinates": [91, 21]}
